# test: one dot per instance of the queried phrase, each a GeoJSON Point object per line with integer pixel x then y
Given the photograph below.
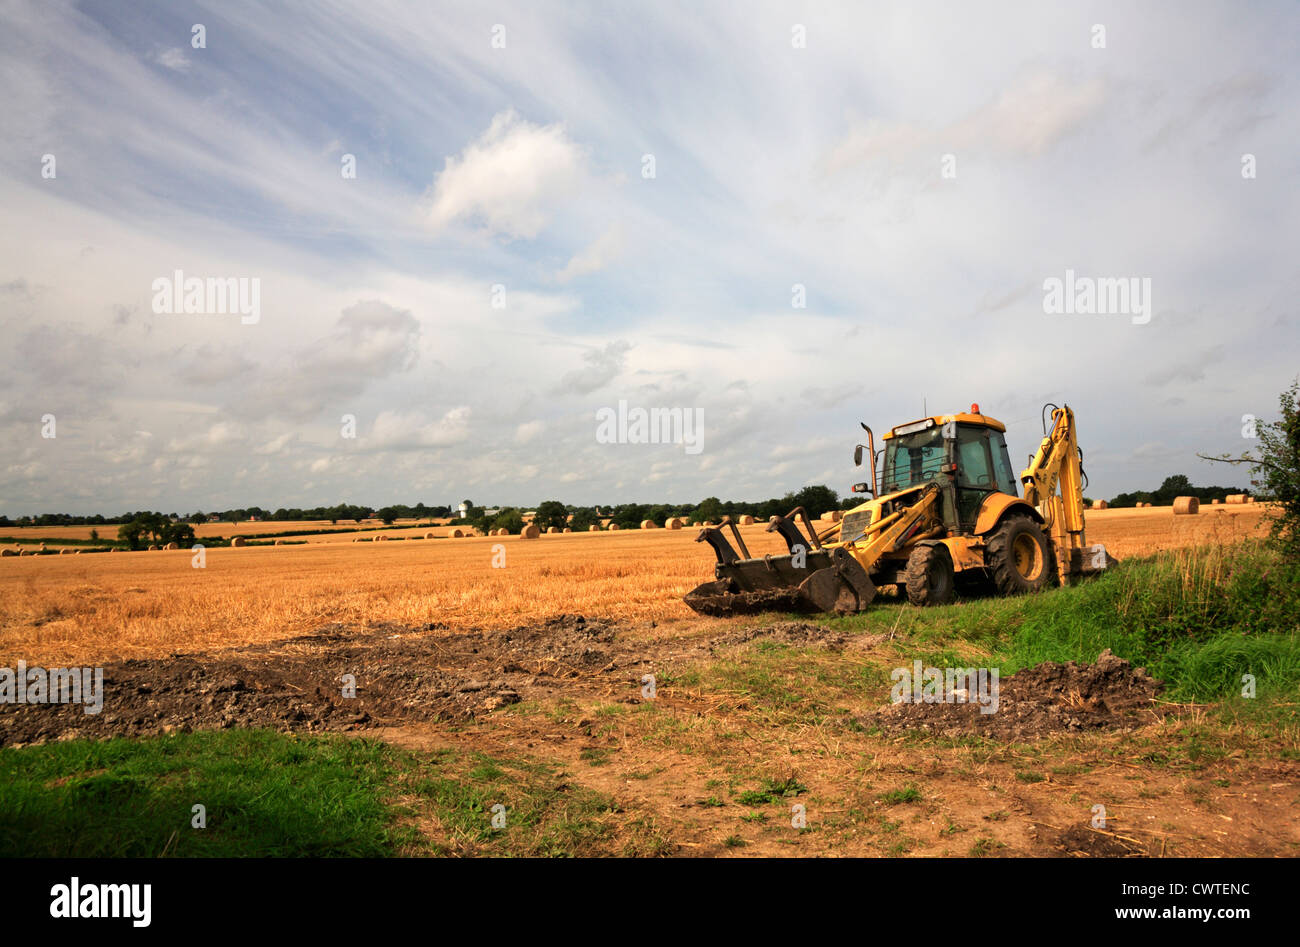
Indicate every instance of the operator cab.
{"type": "Point", "coordinates": [971, 446]}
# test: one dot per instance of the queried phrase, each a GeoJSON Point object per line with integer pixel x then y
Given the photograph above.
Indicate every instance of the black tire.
{"type": "Point", "coordinates": [929, 576]}
{"type": "Point", "coordinates": [1019, 557]}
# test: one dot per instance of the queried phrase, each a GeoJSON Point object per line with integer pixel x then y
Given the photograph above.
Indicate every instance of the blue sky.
{"type": "Point", "coordinates": [775, 165]}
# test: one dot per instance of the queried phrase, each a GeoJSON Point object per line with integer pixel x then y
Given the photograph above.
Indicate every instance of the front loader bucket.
{"type": "Point", "coordinates": [807, 580]}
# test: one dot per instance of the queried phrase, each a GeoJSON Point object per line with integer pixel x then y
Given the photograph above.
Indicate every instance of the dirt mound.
{"type": "Point", "coordinates": [801, 634]}
{"type": "Point", "coordinates": [401, 675]}
{"type": "Point", "coordinates": [1047, 698]}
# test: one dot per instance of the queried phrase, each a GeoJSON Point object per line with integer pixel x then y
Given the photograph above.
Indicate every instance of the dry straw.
{"type": "Point", "coordinates": [530, 532]}
{"type": "Point", "coordinates": [1187, 506]}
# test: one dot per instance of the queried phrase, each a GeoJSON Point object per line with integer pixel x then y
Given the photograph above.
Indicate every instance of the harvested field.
{"type": "Point", "coordinates": [59, 609]}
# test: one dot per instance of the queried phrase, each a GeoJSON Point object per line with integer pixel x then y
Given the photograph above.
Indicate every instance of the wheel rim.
{"type": "Point", "coordinates": [1027, 556]}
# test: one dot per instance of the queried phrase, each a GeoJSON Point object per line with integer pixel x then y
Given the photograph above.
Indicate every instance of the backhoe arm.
{"type": "Point", "coordinates": [1057, 464]}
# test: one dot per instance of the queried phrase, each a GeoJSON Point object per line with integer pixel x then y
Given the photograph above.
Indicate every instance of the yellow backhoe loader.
{"type": "Point", "coordinates": [944, 504]}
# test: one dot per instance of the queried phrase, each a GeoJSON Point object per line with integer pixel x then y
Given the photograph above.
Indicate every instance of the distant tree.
{"type": "Point", "coordinates": [1275, 469]}
{"type": "Point", "coordinates": [709, 510]}
{"type": "Point", "coordinates": [583, 518]}
{"type": "Point", "coordinates": [388, 515]}
{"type": "Point", "coordinates": [551, 513]}
{"type": "Point", "coordinates": [509, 519]}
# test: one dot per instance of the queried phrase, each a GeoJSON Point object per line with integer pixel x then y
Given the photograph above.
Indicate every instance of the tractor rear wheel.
{"type": "Point", "coordinates": [929, 576]}
{"type": "Point", "coordinates": [1019, 556]}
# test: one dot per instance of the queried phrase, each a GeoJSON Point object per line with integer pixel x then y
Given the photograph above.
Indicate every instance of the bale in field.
{"type": "Point", "coordinates": [552, 529]}
{"type": "Point", "coordinates": [593, 528]}
{"type": "Point", "coordinates": [567, 529]}
{"type": "Point", "coordinates": [429, 535]}
{"type": "Point", "coordinates": [672, 523]}
{"type": "Point", "coordinates": [1187, 506]}
{"type": "Point", "coordinates": [278, 542]}
{"type": "Point", "coordinates": [747, 520]}
{"type": "Point", "coordinates": [153, 548]}
{"type": "Point", "coordinates": [530, 531]}
{"type": "Point", "coordinates": [41, 547]}
{"type": "Point", "coordinates": [8, 551]}
{"type": "Point", "coordinates": [178, 545]}
{"type": "Point", "coordinates": [1250, 499]}
{"type": "Point", "coordinates": [833, 516]}
{"type": "Point", "coordinates": [1100, 505]}
{"type": "Point", "coordinates": [647, 524]}
{"type": "Point", "coordinates": [65, 552]}
{"type": "Point", "coordinates": [1236, 498]}
{"type": "Point", "coordinates": [238, 541]}
{"type": "Point", "coordinates": [457, 533]}
{"type": "Point", "coordinates": [1215, 501]}
{"type": "Point", "coordinates": [613, 526]}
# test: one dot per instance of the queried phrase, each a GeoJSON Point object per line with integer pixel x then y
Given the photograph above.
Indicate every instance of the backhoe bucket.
{"type": "Point", "coordinates": [811, 578]}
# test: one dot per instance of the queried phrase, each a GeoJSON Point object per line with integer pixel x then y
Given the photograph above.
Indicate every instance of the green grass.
{"type": "Point", "coordinates": [908, 793]}
{"type": "Point", "coordinates": [772, 790]}
{"type": "Point", "coordinates": [1197, 619]}
{"type": "Point", "coordinates": [268, 794]}
{"type": "Point", "coordinates": [265, 794]}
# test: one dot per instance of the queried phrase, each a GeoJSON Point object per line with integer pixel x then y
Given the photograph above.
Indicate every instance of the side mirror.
{"type": "Point", "coordinates": [857, 456]}
{"type": "Point", "coordinates": [860, 488]}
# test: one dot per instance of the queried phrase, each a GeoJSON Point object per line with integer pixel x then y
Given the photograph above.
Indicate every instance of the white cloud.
{"type": "Point", "coordinates": [529, 431]}
{"type": "Point", "coordinates": [510, 180]}
{"type": "Point", "coordinates": [395, 430]}
{"type": "Point", "coordinates": [607, 247]}
{"type": "Point", "coordinates": [173, 58]}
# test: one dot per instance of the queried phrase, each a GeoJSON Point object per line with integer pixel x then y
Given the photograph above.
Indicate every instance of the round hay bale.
{"type": "Point", "coordinates": [1187, 506]}
{"type": "Point", "coordinates": [65, 552]}
{"type": "Point", "coordinates": [1250, 499]}
{"type": "Point", "coordinates": [76, 552]}
{"type": "Point", "coordinates": [1100, 505]}
{"type": "Point", "coordinates": [531, 531]}
{"type": "Point", "coordinates": [41, 547]}
{"type": "Point", "coordinates": [833, 516]}
{"type": "Point", "coordinates": [26, 552]}
{"type": "Point", "coordinates": [457, 533]}
{"type": "Point", "coordinates": [552, 529]}
{"type": "Point", "coordinates": [8, 551]}
{"type": "Point", "coordinates": [1215, 501]}
{"type": "Point", "coordinates": [429, 535]}
{"type": "Point", "coordinates": [613, 526]}
{"type": "Point", "coordinates": [238, 541]}
{"type": "Point", "coordinates": [593, 528]}
{"type": "Point", "coordinates": [567, 529]}
{"type": "Point", "coordinates": [747, 520]}
{"type": "Point", "coordinates": [278, 542]}
{"type": "Point", "coordinates": [153, 548]}
{"type": "Point", "coordinates": [178, 545]}
{"type": "Point", "coordinates": [647, 524]}
{"type": "Point", "coordinates": [672, 523]}
{"type": "Point", "coordinates": [1235, 498]}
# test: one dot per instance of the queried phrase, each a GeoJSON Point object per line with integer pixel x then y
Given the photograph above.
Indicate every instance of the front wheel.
{"type": "Point", "coordinates": [1019, 556]}
{"type": "Point", "coordinates": [929, 576]}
